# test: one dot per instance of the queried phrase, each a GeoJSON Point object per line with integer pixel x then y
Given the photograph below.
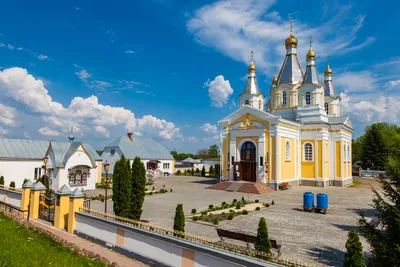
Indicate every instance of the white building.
{"type": "Point", "coordinates": [75, 164]}
{"type": "Point", "coordinates": [153, 155]}
{"type": "Point", "coordinates": [21, 159]}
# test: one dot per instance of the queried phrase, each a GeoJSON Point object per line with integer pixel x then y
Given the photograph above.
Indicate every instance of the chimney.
{"type": "Point", "coordinates": [130, 136]}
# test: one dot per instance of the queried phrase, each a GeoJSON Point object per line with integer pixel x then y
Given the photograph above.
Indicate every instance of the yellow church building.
{"type": "Point", "coordinates": [297, 137]}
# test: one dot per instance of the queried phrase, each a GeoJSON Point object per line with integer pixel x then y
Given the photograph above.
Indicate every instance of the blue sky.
{"type": "Point", "coordinates": [171, 69]}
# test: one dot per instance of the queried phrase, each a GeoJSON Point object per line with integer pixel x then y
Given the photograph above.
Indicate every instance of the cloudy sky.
{"type": "Point", "coordinates": [171, 69]}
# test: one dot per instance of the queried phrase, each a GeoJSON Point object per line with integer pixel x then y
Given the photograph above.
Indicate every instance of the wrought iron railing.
{"type": "Point", "coordinates": [215, 244]}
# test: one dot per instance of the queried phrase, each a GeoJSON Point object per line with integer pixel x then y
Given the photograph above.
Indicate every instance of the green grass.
{"type": "Point", "coordinates": [21, 246]}
{"type": "Point", "coordinates": [355, 184]}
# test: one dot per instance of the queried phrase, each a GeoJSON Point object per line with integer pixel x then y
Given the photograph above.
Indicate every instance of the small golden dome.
{"type": "Point", "coordinates": [274, 79]}
{"type": "Point", "coordinates": [252, 67]}
{"type": "Point", "coordinates": [291, 41]}
{"type": "Point", "coordinates": [310, 54]}
{"type": "Point", "coordinates": [328, 71]}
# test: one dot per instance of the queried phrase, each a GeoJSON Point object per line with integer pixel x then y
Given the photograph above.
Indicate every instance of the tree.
{"type": "Point", "coordinates": [374, 150]}
{"type": "Point", "coordinates": [47, 183]}
{"type": "Point", "coordinates": [217, 169]}
{"type": "Point", "coordinates": [213, 151]}
{"type": "Point", "coordinates": [385, 241]}
{"type": "Point", "coordinates": [179, 219]}
{"type": "Point", "coordinates": [2, 180]}
{"type": "Point", "coordinates": [192, 172]}
{"type": "Point", "coordinates": [138, 188]}
{"type": "Point", "coordinates": [262, 242]}
{"type": "Point", "coordinates": [197, 170]}
{"type": "Point", "coordinates": [122, 187]}
{"type": "Point", "coordinates": [174, 154]}
{"type": "Point", "coordinates": [211, 170]}
{"type": "Point", "coordinates": [203, 153]}
{"type": "Point", "coordinates": [354, 256]}
{"type": "Point", "coordinates": [203, 171]}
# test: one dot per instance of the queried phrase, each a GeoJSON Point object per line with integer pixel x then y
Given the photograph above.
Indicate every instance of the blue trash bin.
{"type": "Point", "coordinates": [308, 200]}
{"type": "Point", "coordinates": [322, 201]}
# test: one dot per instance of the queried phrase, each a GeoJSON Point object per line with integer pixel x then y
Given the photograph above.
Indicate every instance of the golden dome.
{"type": "Point", "coordinates": [310, 54]}
{"type": "Point", "coordinates": [328, 71]}
{"type": "Point", "coordinates": [291, 41]}
{"type": "Point", "coordinates": [274, 79]}
{"type": "Point", "coordinates": [252, 67]}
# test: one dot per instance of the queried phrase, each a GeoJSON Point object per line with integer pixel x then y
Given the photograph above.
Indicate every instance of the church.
{"type": "Point", "coordinates": [298, 137]}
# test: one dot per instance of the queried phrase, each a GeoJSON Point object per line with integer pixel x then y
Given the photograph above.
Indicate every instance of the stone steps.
{"type": "Point", "coordinates": [220, 186]}
{"type": "Point", "coordinates": [234, 187]}
{"type": "Point", "coordinates": [243, 187]}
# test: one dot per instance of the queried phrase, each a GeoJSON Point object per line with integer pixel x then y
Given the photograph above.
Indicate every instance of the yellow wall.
{"type": "Point", "coordinates": [173, 166]}
{"type": "Point", "coordinates": [319, 161]}
{"type": "Point", "coordinates": [99, 164]}
{"type": "Point", "coordinates": [272, 163]}
{"type": "Point", "coordinates": [326, 163]}
{"type": "Point", "coordinates": [61, 212]}
{"type": "Point", "coordinates": [74, 205]}
{"type": "Point", "coordinates": [287, 167]}
{"type": "Point", "coordinates": [338, 160]}
{"type": "Point", "coordinates": [224, 157]}
{"type": "Point", "coordinates": [307, 167]}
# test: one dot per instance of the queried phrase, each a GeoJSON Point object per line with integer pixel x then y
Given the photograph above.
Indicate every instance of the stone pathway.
{"type": "Point", "coordinates": [111, 256]}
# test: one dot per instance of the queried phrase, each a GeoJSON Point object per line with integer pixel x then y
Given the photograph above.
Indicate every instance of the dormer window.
{"type": "Point", "coordinates": [112, 152]}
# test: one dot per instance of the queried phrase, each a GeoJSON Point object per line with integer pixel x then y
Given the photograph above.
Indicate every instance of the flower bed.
{"type": "Point", "coordinates": [153, 191]}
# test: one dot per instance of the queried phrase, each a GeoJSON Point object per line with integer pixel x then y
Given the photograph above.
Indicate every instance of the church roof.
{"type": "Point", "coordinates": [291, 71]}
{"type": "Point", "coordinates": [23, 149]}
{"type": "Point", "coordinates": [63, 151]}
{"type": "Point", "coordinates": [143, 147]}
{"type": "Point", "coordinates": [311, 75]}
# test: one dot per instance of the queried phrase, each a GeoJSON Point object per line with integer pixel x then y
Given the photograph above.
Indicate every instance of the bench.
{"type": "Point", "coordinates": [245, 237]}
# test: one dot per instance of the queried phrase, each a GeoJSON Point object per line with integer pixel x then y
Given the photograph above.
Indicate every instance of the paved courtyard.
{"type": "Point", "coordinates": [313, 237]}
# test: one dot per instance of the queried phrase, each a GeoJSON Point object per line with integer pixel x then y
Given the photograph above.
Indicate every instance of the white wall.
{"type": "Point", "coordinates": [18, 170]}
{"type": "Point", "coordinates": [160, 165]}
{"type": "Point", "coordinates": [11, 197]}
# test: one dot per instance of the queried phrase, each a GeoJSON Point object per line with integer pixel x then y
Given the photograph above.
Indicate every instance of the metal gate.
{"type": "Point", "coordinates": [47, 205]}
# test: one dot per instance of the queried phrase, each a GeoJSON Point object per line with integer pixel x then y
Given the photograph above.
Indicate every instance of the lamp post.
{"type": "Point", "coordinates": [45, 159]}
{"type": "Point", "coordinates": [106, 168]}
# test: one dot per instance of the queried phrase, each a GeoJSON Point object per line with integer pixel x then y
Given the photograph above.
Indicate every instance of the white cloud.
{"type": "Point", "coordinates": [83, 74]}
{"type": "Point", "coordinates": [3, 132]}
{"type": "Point", "coordinates": [129, 52]}
{"type": "Point", "coordinates": [7, 115]}
{"type": "Point", "coordinates": [219, 90]}
{"type": "Point", "coordinates": [10, 47]}
{"type": "Point", "coordinates": [192, 139]}
{"type": "Point", "coordinates": [234, 28]}
{"type": "Point", "coordinates": [362, 81]}
{"type": "Point", "coordinates": [209, 128]}
{"type": "Point", "coordinates": [42, 57]}
{"type": "Point", "coordinates": [48, 132]}
{"type": "Point", "coordinates": [85, 114]}
{"type": "Point", "coordinates": [393, 84]}
{"type": "Point", "coordinates": [20, 48]}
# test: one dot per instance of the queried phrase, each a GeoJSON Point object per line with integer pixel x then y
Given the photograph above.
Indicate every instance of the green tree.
{"type": "Point", "coordinates": [2, 180]}
{"type": "Point", "coordinates": [374, 150]}
{"type": "Point", "coordinates": [354, 256]}
{"type": "Point", "coordinates": [385, 241]}
{"type": "Point", "coordinates": [356, 149]}
{"type": "Point", "coordinates": [211, 170]}
{"type": "Point", "coordinates": [179, 219]}
{"type": "Point", "coordinates": [192, 172]}
{"type": "Point", "coordinates": [197, 170]}
{"type": "Point", "coordinates": [138, 188]}
{"type": "Point", "coordinates": [262, 242]}
{"type": "Point", "coordinates": [174, 154]}
{"type": "Point", "coordinates": [217, 169]}
{"type": "Point", "coordinates": [213, 151]}
{"type": "Point", "coordinates": [122, 187]}
{"type": "Point", "coordinates": [47, 183]}
{"type": "Point", "coordinates": [203, 171]}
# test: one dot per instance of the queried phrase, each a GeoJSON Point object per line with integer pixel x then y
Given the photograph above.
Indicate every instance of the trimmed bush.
{"type": "Point", "coordinates": [230, 216]}
{"type": "Point", "coordinates": [203, 172]}
{"type": "Point", "coordinates": [273, 202]}
{"type": "Point", "coordinates": [215, 221]}
{"type": "Point", "coordinates": [257, 200]}
{"type": "Point", "coordinates": [12, 184]}
{"type": "Point", "coordinates": [245, 212]}
{"type": "Point", "coordinates": [170, 190]}
{"type": "Point", "coordinates": [262, 243]}
{"type": "Point", "coordinates": [243, 200]}
{"type": "Point", "coordinates": [354, 256]}
{"type": "Point", "coordinates": [267, 205]}
{"type": "Point", "coordinates": [231, 211]}
{"type": "Point", "coordinates": [25, 180]}
{"type": "Point", "coordinates": [234, 200]}
{"type": "Point", "coordinates": [194, 211]}
{"type": "Point", "coordinates": [210, 206]}
{"type": "Point", "coordinates": [2, 180]}
{"type": "Point", "coordinates": [258, 208]}
{"type": "Point", "coordinates": [223, 203]}
{"type": "Point", "coordinates": [204, 212]}
{"type": "Point", "coordinates": [153, 188]}
{"type": "Point", "coordinates": [178, 173]}
{"type": "Point", "coordinates": [195, 218]}
{"type": "Point", "coordinates": [151, 193]}
{"type": "Point", "coordinates": [238, 206]}
{"type": "Point", "coordinates": [179, 219]}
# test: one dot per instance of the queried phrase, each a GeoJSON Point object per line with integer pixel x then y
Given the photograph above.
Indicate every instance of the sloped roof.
{"type": "Point", "coordinates": [337, 120]}
{"type": "Point", "coordinates": [143, 147]}
{"type": "Point", "coordinates": [63, 151]}
{"type": "Point", "coordinates": [291, 71]}
{"type": "Point", "coordinates": [190, 160]}
{"type": "Point", "coordinates": [23, 149]}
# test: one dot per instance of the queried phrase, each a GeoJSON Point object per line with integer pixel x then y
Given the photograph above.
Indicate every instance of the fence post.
{"type": "Point", "coordinates": [26, 191]}
{"type": "Point", "coordinates": [62, 207]}
{"type": "Point", "coordinates": [75, 202]}
{"type": "Point", "coordinates": [35, 198]}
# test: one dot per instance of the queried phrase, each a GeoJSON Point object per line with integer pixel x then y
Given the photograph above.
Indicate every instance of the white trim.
{"type": "Point", "coordinates": [316, 158]}
{"type": "Point", "coordinates": [286, 180]}
{"type": "Point", "coordinates": [304, 152]}
{"type": "Point", "coordinates": [344, 179]}
{"type": "Point", "coordinates": [315, 179]}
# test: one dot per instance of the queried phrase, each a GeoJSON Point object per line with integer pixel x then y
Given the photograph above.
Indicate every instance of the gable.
{"type": "Point", "coordinates": [258, 115]}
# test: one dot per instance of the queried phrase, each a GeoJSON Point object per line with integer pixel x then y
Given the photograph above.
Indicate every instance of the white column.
{"type": "Point", "coordinates": [316, 158]}
{"type": "Point", "coordinates": [294, 149]}
{"type": "Point", "coordinates": [261, 153]}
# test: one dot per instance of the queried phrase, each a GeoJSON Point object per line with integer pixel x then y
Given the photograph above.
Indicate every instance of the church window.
{"type": "Point", "coordinates": [259, 104]}
{"type": "Point", "coordinates": [246, 102]}
{"type": "Point", "coordinates": [308, 98]}
{"type": "Point", "coordinates": [287, 150]}
{"type": "Point", "coordinates": [284, 98]}
{"type": "Point", "coordinates": [78, 176]}
{"type": "Point", "coordinates": [308, 152]}
{"type": "Point", "coordinates": [327, 108]}
{"type": "Point", "coordinates": [112, 151]}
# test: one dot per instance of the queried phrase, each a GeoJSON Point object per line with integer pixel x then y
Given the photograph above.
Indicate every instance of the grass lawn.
{"type": "Point", "coordinates": [21, 246]}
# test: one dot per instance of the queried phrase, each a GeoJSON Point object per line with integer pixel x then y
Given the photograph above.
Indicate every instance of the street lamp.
{"type": "Point", "coordinates": [45, 159]}
{"type": "Point", "coordinates": [106, 168]}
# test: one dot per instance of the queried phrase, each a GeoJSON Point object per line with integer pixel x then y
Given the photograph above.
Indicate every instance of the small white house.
{"type": "Point", "coordinates": [21, 159]}
{"type": "Point", "coordinates": [153, 155]}
{"type": "Point", "coordinates": [75, 164]}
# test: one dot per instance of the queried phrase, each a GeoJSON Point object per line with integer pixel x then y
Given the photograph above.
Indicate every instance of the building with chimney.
{"type": "Point", "coordinates": [298, 137]}
{"type": "Point", "coordinates": [155, 157]}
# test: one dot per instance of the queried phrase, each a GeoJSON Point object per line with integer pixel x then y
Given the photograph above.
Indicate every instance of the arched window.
{"type": "Point", "coordinates": [327, 108]}
{"type": "Point", "coordinates": [287, 150]}
{"type": "Point", "coordinates": [284, 98]}
{"type": "Point", "coordinates": [78, 176]}
{"type": "Point", "coordinates": [246, 102]}
{"type": "Point", "coordinates": [308, 152]}
{"type": "Point", "coordinates": [308, 98]}
{"type": "Point", "coordinates": [84, 178]}
{"type": "Point", "coordinates": [71, 178]}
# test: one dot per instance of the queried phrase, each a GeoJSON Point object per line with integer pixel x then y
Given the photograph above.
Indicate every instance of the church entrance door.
{"type": "Point", "coordinates": [248, 162]}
